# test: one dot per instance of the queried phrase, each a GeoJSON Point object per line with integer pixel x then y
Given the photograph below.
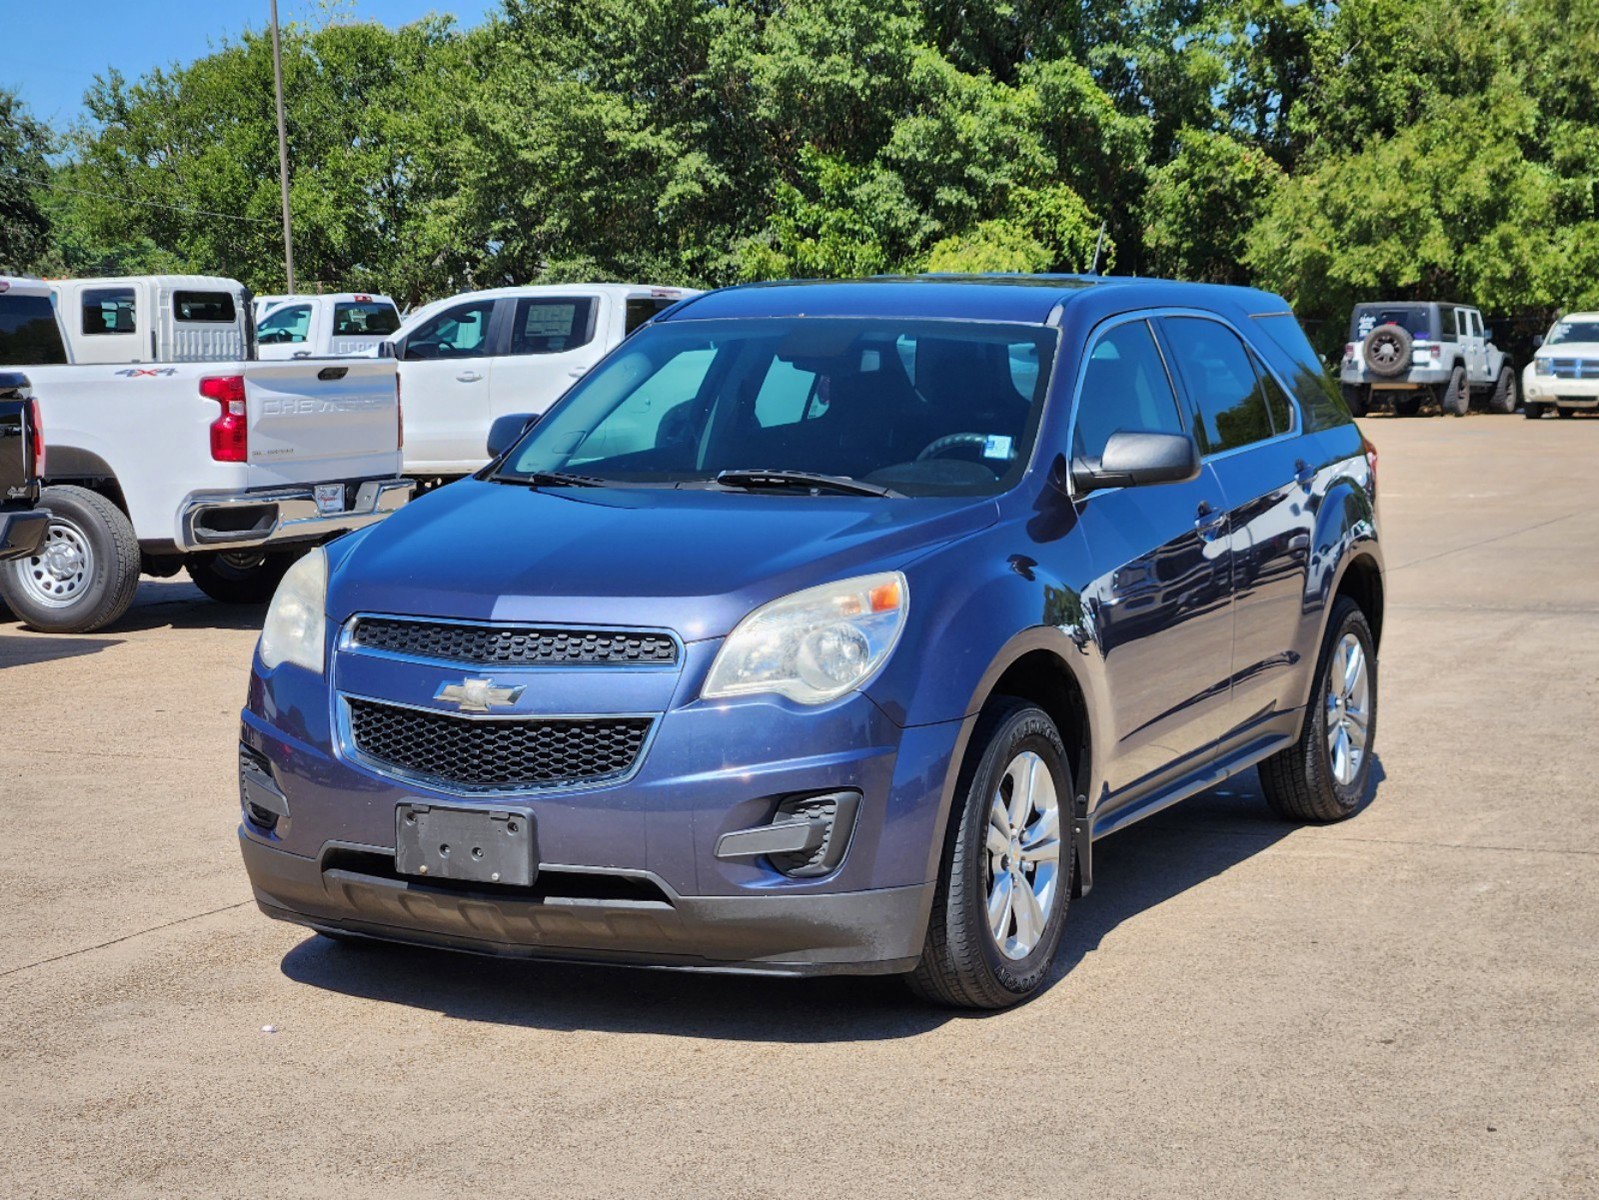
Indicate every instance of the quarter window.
{"type": "Point", "coordinates": [108, 310]}
{"type": "Point", "coordinates": [213, 308]}
{"type": "Point", "coordinates": [551, 325]}
{"type": "Point", "coordinates": [1125, 389]}
{"type": "Point", "coordinates": [458, 332]}
{"type": "Point", "coordinates": [1223, 389]}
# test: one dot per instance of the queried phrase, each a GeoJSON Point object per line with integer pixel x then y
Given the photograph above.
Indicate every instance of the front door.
{"type": "Point", "coordinates": [1160, 606]}
{"type": "Point", "coordinates": [553, 341]}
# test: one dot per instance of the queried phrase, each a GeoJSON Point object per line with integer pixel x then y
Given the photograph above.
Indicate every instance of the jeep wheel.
{"type": "Point", "coordinates": [1506, 393]}
{"type": "Point", "coordinates": [1323, 775]}
{"type": "Point", "coordinates": [239, 576]}
{"type": "Point", "coordinates": [1357, 399]}
{"type": "Point", "coordinates": [1456, 399]}
{"type": "Point", "coordinates": [1000, 902]}
{"type": "Point", "coordinates": [84, 574]}
{"type": "Point", "coordinates": [1533, 411]}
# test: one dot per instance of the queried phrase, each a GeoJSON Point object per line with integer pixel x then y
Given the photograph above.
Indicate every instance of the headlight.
{"type": "Point", "coordinates": [815, 645]}
{"type": "Point", "coordinates": [1543, 366]}
{"type": "Point", "coordinates": [295, 620]}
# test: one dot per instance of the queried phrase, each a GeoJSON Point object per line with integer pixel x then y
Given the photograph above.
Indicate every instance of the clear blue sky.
{"type": "Point", "coordinates": [53, 49]}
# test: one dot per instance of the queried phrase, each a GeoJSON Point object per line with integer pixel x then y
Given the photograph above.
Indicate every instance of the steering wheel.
{"type": "Point", "coordinates": [951, 441]}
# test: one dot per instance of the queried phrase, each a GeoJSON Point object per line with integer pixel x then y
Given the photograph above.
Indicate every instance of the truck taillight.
{"type": "Point", "coordinates": [230, 432]}
{"type": "Point", "coordinates": [1371, 460]}
{"type": "Point", "coordinates": [1349, 350]}
{"type": "Point", "coordinates": [399, 414]}
{"type": "Point", "coordinates": [38, 437]}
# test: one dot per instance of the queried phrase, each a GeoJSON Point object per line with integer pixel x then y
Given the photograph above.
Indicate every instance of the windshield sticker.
{"type": "Point", "coordinates": [997, 446]}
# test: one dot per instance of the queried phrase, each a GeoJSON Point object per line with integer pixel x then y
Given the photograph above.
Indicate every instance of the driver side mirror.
{"type": "Point", "coordinates": [1137, 459]}
{"type": "Point", "coordinates": [505, 431]}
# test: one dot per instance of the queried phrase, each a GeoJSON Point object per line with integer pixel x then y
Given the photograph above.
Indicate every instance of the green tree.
{"type": "Point", "coordinates": [24, 226]}
{"type": "Point", "coordinates": [1200, 206]}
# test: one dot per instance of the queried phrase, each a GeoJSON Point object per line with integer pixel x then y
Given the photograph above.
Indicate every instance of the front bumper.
{"type": "Point", "coordinates": [22, 532]}
{"type": "Point", "coordinates": [231, 520]}
{"type": "Point", "coordinates": [869, 932]}
{"type": "Point", "coordinates": [1566, 393]}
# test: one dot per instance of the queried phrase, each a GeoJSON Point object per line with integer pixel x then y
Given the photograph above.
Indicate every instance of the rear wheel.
{"type": "Point", "coordinates": [1505, 393]}
{"type": "Point", "coordinates": [1566, 412]}
{"type": "Point", "coordinates": [1000, 904]}
{"type": "Point", "coordinates": [1323, 775]}
{"type": "Point", "coordinates": [239, 576]}
{"type": "Point", "coordinates": [1456, 399]}
{"type": "Point", "coordinates": [1533, 411]}
{"type": "Point", "coordinates": [84, 574]}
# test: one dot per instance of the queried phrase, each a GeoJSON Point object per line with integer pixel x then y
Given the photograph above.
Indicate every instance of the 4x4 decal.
{"type": "Point", "coordinates": [141, 372]}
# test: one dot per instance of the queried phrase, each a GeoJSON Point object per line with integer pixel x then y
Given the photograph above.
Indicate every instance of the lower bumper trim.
{"type": "Point", "coordinates": [240, 519]}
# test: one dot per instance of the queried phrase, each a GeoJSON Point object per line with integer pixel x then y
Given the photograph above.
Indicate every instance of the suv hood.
{"type": "Point", "coordinates": [693, 561]}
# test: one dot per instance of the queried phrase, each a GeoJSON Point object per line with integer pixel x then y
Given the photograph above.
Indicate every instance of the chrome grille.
{"type": "Point", "coordinates": [513, 645]}
{"type": "Point", "coordinates": [496, 755]}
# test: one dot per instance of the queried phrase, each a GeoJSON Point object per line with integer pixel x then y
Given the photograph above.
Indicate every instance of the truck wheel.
{"type": "Point", "coordinates": [1533, 412]}
{"type": "Point", "coordinates": [1000, 903]}
{"type": "Point", "coordinates": [1323, 775]}
{"type": "Point", "coordinates": [1457, 393]}
{"type": "Point", "coordinates": [84, 575]}
{"type": "Point", "coordinates": [1565, 412]}
{"type": "Point", "coordinates": [239, 576]}
{"type": "Point", "coordinates": [1357, 399]}
{"type": "Point", "coordinates": [1505, 393]}
{"type": "Point", "coordinates": [1407, 406]}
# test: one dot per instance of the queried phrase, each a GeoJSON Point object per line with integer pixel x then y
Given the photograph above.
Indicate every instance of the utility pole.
{"type": "Point", "coordinates": [283, 149]}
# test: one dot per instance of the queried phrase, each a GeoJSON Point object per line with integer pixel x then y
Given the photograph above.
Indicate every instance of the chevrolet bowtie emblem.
{"type": "Point", "coordinates": [478, 695]}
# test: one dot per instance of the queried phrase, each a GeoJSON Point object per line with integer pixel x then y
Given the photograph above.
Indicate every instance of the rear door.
{"type": "Point", "coordinates": [312, 420]}
{"type": "Point", "coordinates": [1161, 603]}
{"type": "Point", "coordinates": [552, 341]}
{"type": "Point", "coordinates": [445, 367]}
{"type": "Point", "coordinates": [1249, 432]}
{"type": "Point", "coordinates": [1468, 328]}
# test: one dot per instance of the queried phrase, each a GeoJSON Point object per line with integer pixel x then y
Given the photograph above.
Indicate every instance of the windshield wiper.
{"type": "Point", "coordinates": [538, 479]}
{"type": "Point", "coordinates": [789, 480]}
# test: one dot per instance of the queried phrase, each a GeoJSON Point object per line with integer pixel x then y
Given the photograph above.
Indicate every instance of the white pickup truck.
{"type": "Point", "coordinates": [324, 326]}
{"type": "Point", "coordinates": [471, 358]}
{"type": "Point", "coordinates": [184, 452]}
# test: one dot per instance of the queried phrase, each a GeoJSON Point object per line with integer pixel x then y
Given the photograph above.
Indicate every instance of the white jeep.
{"type": "Point", "coordinates": [1564, 373]}
{"type": "Point", "coordinates": [1407, 351]}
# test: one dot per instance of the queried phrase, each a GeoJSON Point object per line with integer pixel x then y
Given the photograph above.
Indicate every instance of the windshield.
{"type": "Point", "coordinates": [920, 407]}
{"type": "Point", "coordinates": [1417, 320]}
{"type": "Point", "coordinates": [1573, 331]}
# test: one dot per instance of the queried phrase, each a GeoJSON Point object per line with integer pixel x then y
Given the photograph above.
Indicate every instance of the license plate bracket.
{"type": "Point", "coordinates": [474, 845]}
{"type": "Point", "coordinates": [329, 498]}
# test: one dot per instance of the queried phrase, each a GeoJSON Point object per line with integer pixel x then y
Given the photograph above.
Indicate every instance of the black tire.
{"type": "Point", "coordinates": [962, 965]}
{"type": "Point", "coordinates": [1533, 412]}
{"type": "Point", "coordinates": [1407, 405]}
{"type": "Point", "coordinates": [1506, 394]}
{"type": "Point", "coordinates": [1566, 412]}
{"type": "Point", "coordinates": [1386, 351]}
{"type": "Point", "coordinates": [1357, 399]}
{"type": "Point", "coordinates": [1456, 400]}
{"type": "Point", "coordinates": [239, 577]}
{"type": "Point", "coordinates": [102, 592]}
{"type": "Point", "coordinates": [1299, 781]}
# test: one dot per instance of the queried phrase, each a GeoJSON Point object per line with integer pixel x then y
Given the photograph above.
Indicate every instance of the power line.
{"type": "Point", "coordinates": [203, 212]}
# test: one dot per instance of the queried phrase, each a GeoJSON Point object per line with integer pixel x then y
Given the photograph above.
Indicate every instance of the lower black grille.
{"type": "Point", "coordinates": [497, 754]}
{"type": "Point", "coordinates": [520, 645]}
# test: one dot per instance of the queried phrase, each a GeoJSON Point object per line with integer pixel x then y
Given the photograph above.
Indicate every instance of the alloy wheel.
{"type": "Point", "coordinates": [1348, 709]}
{"type": "Point", "coordinates": [1023, 849]}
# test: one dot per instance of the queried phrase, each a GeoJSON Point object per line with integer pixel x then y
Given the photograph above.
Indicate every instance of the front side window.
{"type": "Point", "coordinates": [1125, 389]}
{"type": "Point", "coordinates": [1223, 389]}
{"type": "Point", "coordinates": [212, 308]}
{"type": "Point", "coordinates": [281, 326]}
{"type": "Point", "coordinates": [29, 335]}
{"type": "Point", "coordinates": [459, 332]}
{"type": "Point", "coordinates": [108, 310]}
{"type": "Point", "coordinates": [681, 402]}
{"type": "Point", "coordinates": [551, 325]}
{"type": "Point", "coordinates": [364, 318]}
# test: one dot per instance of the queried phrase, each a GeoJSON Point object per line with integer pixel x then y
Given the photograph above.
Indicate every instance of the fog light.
{"type": "Point", "coordinates": [807, 836]}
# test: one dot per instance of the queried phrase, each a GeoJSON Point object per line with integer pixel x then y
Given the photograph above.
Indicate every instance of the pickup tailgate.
{"type": "Point", "coordinates": [314, 420]}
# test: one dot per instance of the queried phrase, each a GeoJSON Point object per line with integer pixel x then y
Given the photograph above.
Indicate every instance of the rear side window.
{"type": "Point", "coordinates": [551, 326]}
{"type": "Point", "coordinates": [1287, 347]}
{"type": "Point", "coordinates": [108, 310]}
{"type": "Point", "coordinates": [459, 332]}
{"type": "Point", "coordinates": [282, 326]}
{"type": "Point", "coordinates": [1125, 389]}
{"type": "Point", "coordinates": [642, 308]}
{"type": "Point", "coordinates": [28, 332]}
{"type": "Point", "coordinates": [364, 318]}
{"type": "Point", "coordinates": [207, 307]}
{"type": "Point", "coordinates": [1223, 389]}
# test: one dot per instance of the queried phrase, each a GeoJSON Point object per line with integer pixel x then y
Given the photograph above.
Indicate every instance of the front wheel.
{"type": "Point", "coordinates": [1505, 393]}
{"type": "Point", "coordinates": [1533, 412]}
{"type": "Point", "coordinates": [238, 576]}
{"type": "Point", "coordinates": [83, 576]}
{"type": "Point", "coordinates": [1000, 904]}
{"type": "Point", "coordinates": [1323, 775]}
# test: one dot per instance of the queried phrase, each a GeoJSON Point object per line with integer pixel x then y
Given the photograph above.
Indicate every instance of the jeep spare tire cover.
{"type": "Point", "coordinates": [1387, 350]}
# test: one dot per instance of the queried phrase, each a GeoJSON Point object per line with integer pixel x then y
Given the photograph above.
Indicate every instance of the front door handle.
{"type": "Point", "coordinates": [1209, 520]}
{"type": "Point", "coordinates": [469, 377]}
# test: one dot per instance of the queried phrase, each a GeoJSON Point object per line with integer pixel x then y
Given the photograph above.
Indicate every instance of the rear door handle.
{"type": "Point", "coordinates": [469, 377]}
{"type": "Point", "coordinates": [1209, 520]}
{"type": "Point", "coordinates": [1303, 473]}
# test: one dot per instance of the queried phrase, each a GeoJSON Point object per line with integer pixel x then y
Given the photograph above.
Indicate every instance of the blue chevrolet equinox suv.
{"type": "Point", "coordinates": [824, 627]}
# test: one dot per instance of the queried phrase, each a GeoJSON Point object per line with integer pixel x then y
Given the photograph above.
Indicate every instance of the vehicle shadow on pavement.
{"type": "Point", "coordinates": [21, 649]}
{"type": "Point", "coordinates": [178, 604]}
{"type": "Point", "coordinates": [1134, 871]}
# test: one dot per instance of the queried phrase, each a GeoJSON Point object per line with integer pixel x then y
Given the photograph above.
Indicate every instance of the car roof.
{"type": "Point", "coordinates": [24, 285]}
{"type": "Point", "coordinates": [1029, 299]}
